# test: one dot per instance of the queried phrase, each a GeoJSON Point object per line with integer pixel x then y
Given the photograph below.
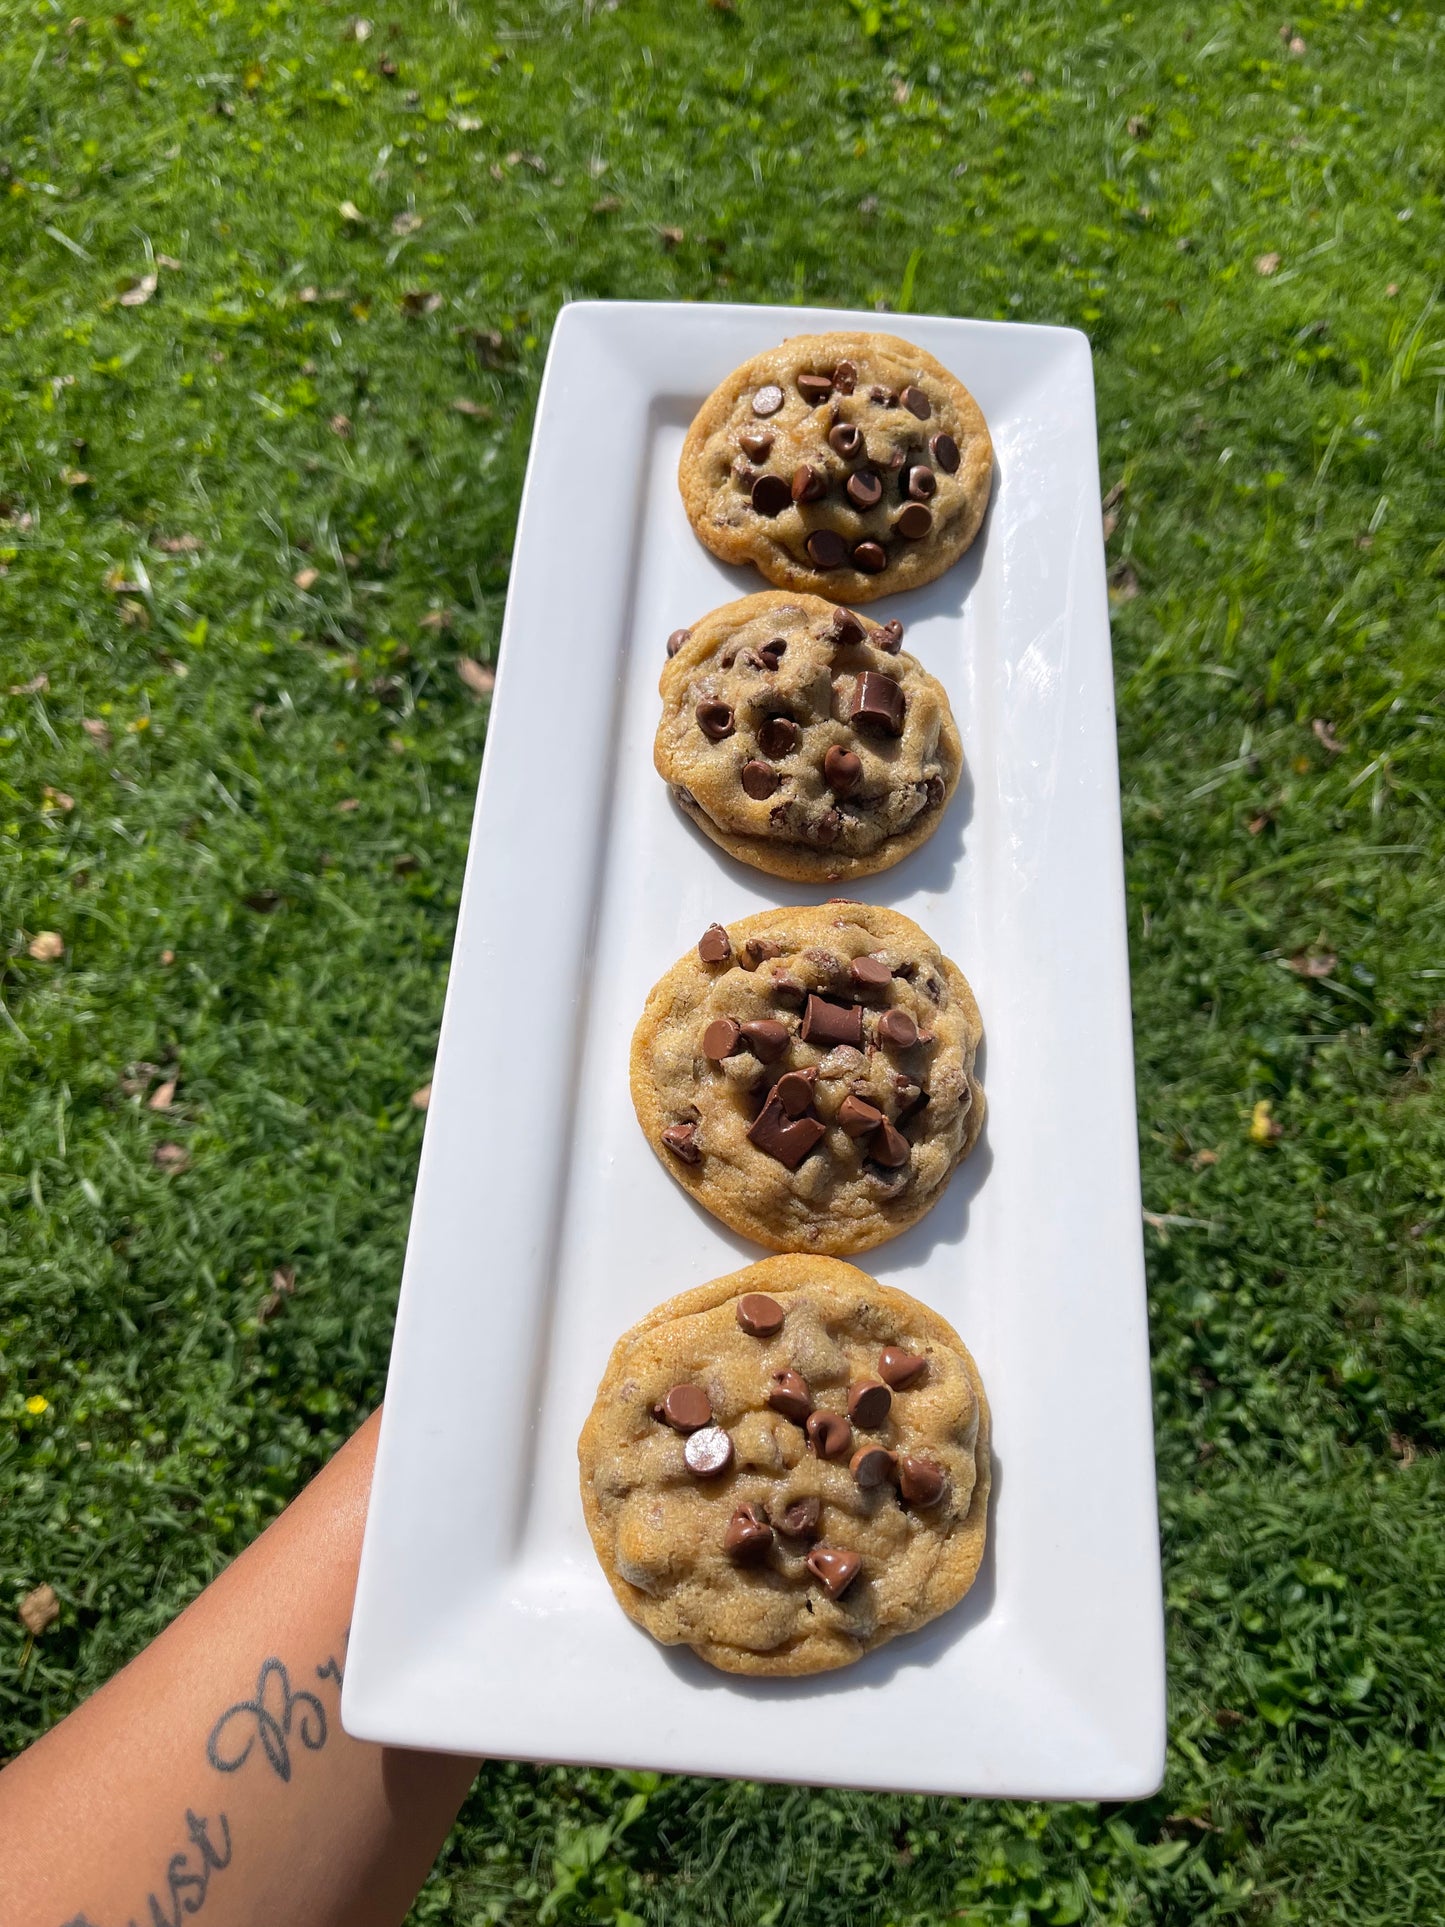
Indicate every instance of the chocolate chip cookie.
{"type": "Point", "coordinates": [788, 1467]}
{"type": "Point", "coordinates": [851, 465]}
{"type": "Point", "coordinates": [807, 1074]}
{"type": "Point", "coordinates": [803, 740]}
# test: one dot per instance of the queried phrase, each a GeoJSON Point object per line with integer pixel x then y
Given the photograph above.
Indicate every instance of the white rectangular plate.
{"type": "Point", "coordinates": [544, 1226]}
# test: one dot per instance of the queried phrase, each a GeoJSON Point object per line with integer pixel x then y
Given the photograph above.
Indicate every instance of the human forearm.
{"type": "Point", "coordinates": [212, 1776]}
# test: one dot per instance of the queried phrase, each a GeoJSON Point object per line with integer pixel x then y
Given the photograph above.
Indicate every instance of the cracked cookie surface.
{"type": "Point", "coordinates": [826, 1531]}
{"type": "Point", "coordinates": [807, 1074]}
{"type": "Point", "coordinates": [803, 740]}
{"type": "Point", "coordinates": [849, 465]}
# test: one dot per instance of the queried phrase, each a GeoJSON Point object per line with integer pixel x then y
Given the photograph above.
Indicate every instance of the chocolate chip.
{"type": "Point", "coordinates": [789, 1395]}
{"type": "Point", "coordinates": [868, 1403]}
{"type": "Point", "coordinates": [896, 459]}
{"type": "Point", "coordinates": [808, 485]}
{"type": "Point", "coordinates": [681, 1140]}
{"type": "Point", "coordinates": [827, 548]}
{"type": "Point", "coordinates": [676, 640]}
{"type": "Point", "coordinates": [846, 439]}
{"type": "Point", "coordinates": [858, 1117]}
{"type": "Point", "coordinates": [768, 400]}
{"type": "Point", "coordinates": [920, 1480]}
{"type": "Point", "coordinates": [834, 1569]}
{"type": "Point", "coordinates": [889, 1148]}
{"type": "Point", "coordinates": [794, 1091]}
{"type": "Point", "coordinates": [786, 986]}
{"type": "Point", "coordinates": [872, 1466]}
{"type": "Point", "coordinates": [759, 1315]}
{"type": "Point", "coordinates": [714, 719]}
{"type": "Point", "coordinates": [913, 521]}
{"type": "Point", "coordinates": [878, 701]}
{"type": "Point", "coordinates": [749, 1537]}
{"type": "Point", "coordinates": [917, 403]}
{"type": "Point", "coordinates": [685, 1409]}
{"type": "Point", "coordinates": [921, 483]}
{"type": "Point", "coordinates": [845, 378]}
{"type": "Point", "coordinates": [720, 1039]}
{"type": "Point", "coordinates": [897, 1028]}
{"type": "Point", "coordinates": [779, 736]}
{"type": "Point", "coordinates": [755, 950]}
{"type": "Point", "coordinates": [842, 771]}
{"type": "Point", "coordinates": [829, 1435]}
{"type": "Point", "coordinates": [826, 1024]}
{"type": "Point", "coordinates": [757, 442]}
{"type": "Point", "coordinates": [827, 828]}
{"type": "Point", "coordinates": [890, 637]}
{"type": "Point", "coordinates": [771, 495]}
{"type": "Point", "coordinates": [899, 1368]}
{"type": "Point", "coordinates": [759, 780]}
{"type": "Point", "coordinates": [884, 396]}
{"type": "Point", "coordinates": [815, 388]}
{"type": "Point", "coordinates": [788, 1139]}
{"type": "Point", "coordinates": [870, 557]}
{"type": "Point", "coordinates": [799, 1518]}
{"type": "Point", "coordinates": [945, 453]}
{"type": "Point", "coordinates": [766, 1038]}
{"type": "Point", "coordinates": [714, 945]}
{"type": "Point", "coordinates": [772, 653]}
{"type": "Point", "coordinates": [864, 489]}
{"type": "Point", "coordinates": [708, 1452]}
{"type": "Point", "coordinates": [845, 630]}
{"type": "Point", "coordinates": [870, 973]}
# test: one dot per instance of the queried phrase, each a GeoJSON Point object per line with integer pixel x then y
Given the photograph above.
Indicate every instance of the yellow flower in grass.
{"type": "Point", "coordinates": [36, 1405]}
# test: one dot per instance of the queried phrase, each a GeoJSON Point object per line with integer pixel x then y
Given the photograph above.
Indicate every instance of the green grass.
{"type": "Point", "coordinates": [1277, 563]}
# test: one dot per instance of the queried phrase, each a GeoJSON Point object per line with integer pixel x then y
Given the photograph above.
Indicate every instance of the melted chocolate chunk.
{"type": "Point", "coordinates": [759, 781]}
{"type": "Point", "coordinates": [681, 1140]}
{"type": "Point", "coordinates": [826, 1024]}
{"type": "Point", "coordinates": [879, 702]}
{"type": "Point", "coordinates": [766, 1038]}
{"type": "Point", "coordinates": [771, 495]}
{"type": "Point", "coordinates": [921, 1480]}
{"type": "Point", "coordinates": [869, 1400]}
{"type": "Point", "coordinates": [826, 548]}
{"type": "Point", "coordinates": [714, 945]}
{"type": "Point", "coordinates": [799, 1518]}
{"type": "Point", "coordinates": [890, 636]}
{"type": "Point", "coordinates": [872, 1466]}
{"type": "Point", "coordinates": [761, 1316]}
{"type": "Point", "coordinates": [685, 1409]}
{"type": "Point", "coordinates": [945, 452]}
{"type": "Point", "coordinates": [794, 1091]}
{"type": "Point", "coordinates": [897, 1028]}
{"type": "Point", "coordinates": [870, 557]}
{"type": "Point", "coordinates": [756, 950]}
{"type": "Point", "coordinates": [913, 522]}
{"type": "Point", "coordinates": [834, 1568]}
{"type": "Point", "coordinates": [772, 653]}
{"type": "Point", "coordinates": [842, 771]}
{"type": "Point", "coordinates": [757, 442]}
{"type": "Point", "coordinates": [714, 719]}
{"type": "Point", "coordinates": [789, 1395]}
{"type": "Point", "coordinates": [808, 484]}
{"type": "Point", "coordinates": [748, 1538]}
{"type": "Point", "coordinates": [921, 483]}
{"type": "Point", "coordinates": [858, 1117]}
{"type": "Point", "coordinates": [864, 489]}
{"type": "Point", "coordinates": [845, 378]}
{"type": "Point", "coordinates": [815, 388]}
{"type": "Point", "coordinates": [830, 1435]}
{"type": "Point", "coordinates": [845, 630]}
{"type": "Point", "coordinates": [676, 640]}
{"type": "Point", "coordinates": [846, 439]}
{"type": "Point", "coordinates": [788, 1139]}
{"type": "Point", "coordinates": [779, 736]}
{"type": "Point", "coordinates": [917, 403]}
{"type": "Point", "coordinates": [900, 1368]}
{"type": "Point", "coordinates": [870, 973]}
{"type": "Point", "coordinates": [721, 1038]}
{"type": "Point", "coordinates": [890, 1147]}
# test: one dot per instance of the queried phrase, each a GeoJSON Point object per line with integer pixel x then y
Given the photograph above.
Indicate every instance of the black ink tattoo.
{"type": "Point", "coordinates": [273, 1712]}
{"type": "Point", "coordinates": [186, 1886]}
{"type": "Point", "coordinates": [330, 1671]}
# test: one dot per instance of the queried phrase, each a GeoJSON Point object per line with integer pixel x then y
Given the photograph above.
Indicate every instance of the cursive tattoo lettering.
{"type": "Point", "coordinates": [268, 1717]}
{"type": "Point", "coordinates": [186, 1886]}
